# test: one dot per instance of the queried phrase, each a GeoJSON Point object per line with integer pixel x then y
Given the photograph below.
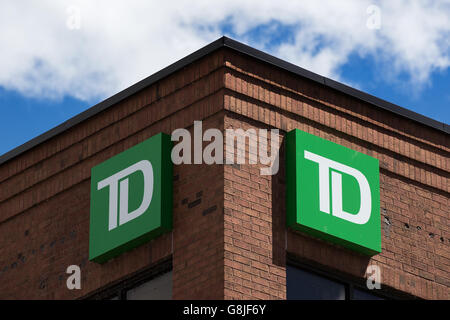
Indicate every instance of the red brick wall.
{"type": "Point", "coordinates": [44, 196]}
{"type": "Point", "coordinates": [254, 256]}
{"type": "Point", "coordinates": [198, 271]}
{"type": "Point", "coordinates": [414, 173]}
{"type": "Point", "coordinates": [229, 239]}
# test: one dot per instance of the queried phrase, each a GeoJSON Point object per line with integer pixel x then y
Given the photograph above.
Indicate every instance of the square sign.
{"type": "Point", "coordinates": [131, 198]}
{"type": "Point", "coordinates": [333, 192]}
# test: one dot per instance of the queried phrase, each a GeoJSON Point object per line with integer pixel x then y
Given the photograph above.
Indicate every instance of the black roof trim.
{"type": "Point", "coordinates": [213, 46]}
{"type": "Point", "coordinates": [233, 44]}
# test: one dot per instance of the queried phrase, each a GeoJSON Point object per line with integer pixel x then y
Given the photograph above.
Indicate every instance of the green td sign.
{"type": "Point", "coordinates": [131, 198]}
{"type": "Point", "coordinates": [333, 192]}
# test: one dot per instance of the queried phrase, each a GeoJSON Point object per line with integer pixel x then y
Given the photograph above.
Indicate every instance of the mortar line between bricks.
{"type": "Point", "coordinates": [415, 182]}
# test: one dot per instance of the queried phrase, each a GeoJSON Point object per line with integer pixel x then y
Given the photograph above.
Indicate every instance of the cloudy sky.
{"type": "Point", "coordinates": [58, 58]}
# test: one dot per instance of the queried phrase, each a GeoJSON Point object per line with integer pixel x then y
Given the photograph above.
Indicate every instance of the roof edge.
{"type": "Point", "coordinates": [366, 97]}
{"type": "Point", "coordinates": [213, 46]}
{"type": "Point", "coordinates": [116, 98]}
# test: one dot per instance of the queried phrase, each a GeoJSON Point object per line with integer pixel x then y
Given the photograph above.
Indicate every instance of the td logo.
{"type": "Point", "coordinates": [131, 198]}
{"type": "Point", "coordinates": [113, 183]}
{"type": "Point", "coordinates": [325, 165]}
{"type": "Point", "coordinates": [333, 192]}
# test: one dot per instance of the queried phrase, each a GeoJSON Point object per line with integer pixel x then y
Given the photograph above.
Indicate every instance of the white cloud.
{"type": "Point", "coordinates": [121, 42]}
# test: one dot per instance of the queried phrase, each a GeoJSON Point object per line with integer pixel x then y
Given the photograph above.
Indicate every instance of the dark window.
{"type": "Point", "coordinates": [364, 295]}
{"type": "Point", "coordinates": [154, 283]}
{"type": "Point", "coordinates": [159, 288]}
{"type": "Point", "coordinates": [303, 285]}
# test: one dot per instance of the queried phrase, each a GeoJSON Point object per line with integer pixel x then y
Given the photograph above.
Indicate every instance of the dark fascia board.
{"type": "Point", "coordinates": [213, 46]}
{"type": "Point", "coordinates": [383, 104]}
{"type": "Point", "coordinates": [105, 104]}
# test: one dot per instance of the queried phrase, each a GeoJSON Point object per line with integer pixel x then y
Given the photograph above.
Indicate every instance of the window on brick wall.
{"type": "Point", "coordinates": [364, 295]}
{"type": "Point", "coordinates": [303, 284]}
{"type": "Point", "coordinates": [155, 283]}
{"type": "Point", "coordinates": [159, 288]}
{"type": "Point", "coordinates": [156, 288]}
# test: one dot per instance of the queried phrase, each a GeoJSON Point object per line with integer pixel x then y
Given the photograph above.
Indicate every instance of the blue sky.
{"type": "Point", "coordinates": [68, 65]}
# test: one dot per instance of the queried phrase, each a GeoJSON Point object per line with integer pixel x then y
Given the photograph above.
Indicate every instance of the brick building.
{"type": "Point", "coordinates": [229, 238]}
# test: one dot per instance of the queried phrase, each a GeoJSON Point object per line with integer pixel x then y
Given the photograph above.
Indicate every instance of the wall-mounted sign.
{"type": "Point", "coordinates": [333, 192]}
{"type": "Point", "coordinates": [131, 198]}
